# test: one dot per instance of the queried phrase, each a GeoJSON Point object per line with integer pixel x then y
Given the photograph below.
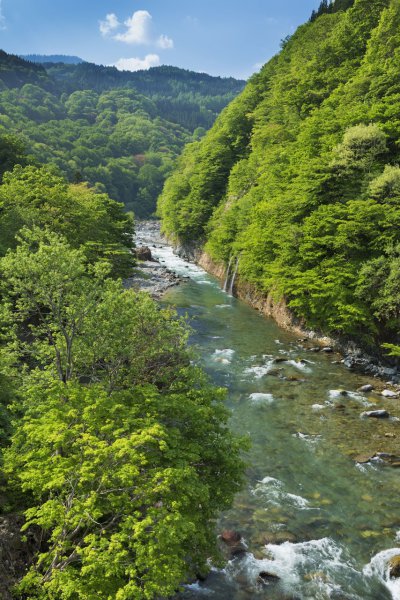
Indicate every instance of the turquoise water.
{"type": "Point", "coordinates": [323, 523]}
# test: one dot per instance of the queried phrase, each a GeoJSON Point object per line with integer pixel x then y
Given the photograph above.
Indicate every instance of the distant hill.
{"type": "Point", "coordinates": [53, 58]}
{"type": "Point", "coordinates": [160, 80]}
{"type": "Point", "coordinates": [16, 72]}
{"type": "Point", "coordinates": [120, 131]}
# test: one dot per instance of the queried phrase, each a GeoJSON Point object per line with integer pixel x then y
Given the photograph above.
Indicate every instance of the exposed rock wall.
{"type": "Point", "coordinates": [266, 304]}
{"type": "Point", "coordinates": [355, 357]}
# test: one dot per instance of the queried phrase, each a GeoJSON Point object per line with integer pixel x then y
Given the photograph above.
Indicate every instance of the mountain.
{"type": "Point", "coordinates": [52, 58]}
{"type": "Point", "coordinates": [188, 98]}
{"type": "Point", "coordinates": [15, 72]}
{"type": "Point", "coordinates": [298, 180]}
{"type": "Point", "coordinates": [121, 132]}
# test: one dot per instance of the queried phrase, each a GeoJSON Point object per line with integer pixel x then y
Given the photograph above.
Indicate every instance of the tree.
{"type": "Point", "coordinates": [123, 447]}
{"type": "Point", "coordinates": [40, 197]}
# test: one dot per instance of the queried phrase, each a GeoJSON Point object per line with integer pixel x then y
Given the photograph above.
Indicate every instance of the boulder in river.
{"type": "Point", "coordinates": [389, 394]}
{"type": "Point", "coordinates": [143, 253]}
{"type": "Point", "coordinates": [376, 414]}
{"type": "Point", "coordinates": [265, 577]}
{"type": "Point", "coordinates": [394, 567]}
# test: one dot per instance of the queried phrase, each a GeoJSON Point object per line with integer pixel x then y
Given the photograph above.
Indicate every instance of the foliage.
{"type": "Point", "coordinates": [119, 131]}
{"type": "Point", "coordinates": [309, 201]}
{"type": "Point", "coordinates": [39, 196]}
{"type": "Point", "coordinates": [120, 445]}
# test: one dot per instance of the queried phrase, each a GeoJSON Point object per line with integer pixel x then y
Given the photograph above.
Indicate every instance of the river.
{"type": "Point", "coordinates": [325, 524]}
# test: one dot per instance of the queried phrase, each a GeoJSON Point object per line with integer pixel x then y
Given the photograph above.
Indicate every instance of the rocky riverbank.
{"type": "Point", "coordinates": [150, 275]}
{"type": "Point", "coordinates": [353, 355]}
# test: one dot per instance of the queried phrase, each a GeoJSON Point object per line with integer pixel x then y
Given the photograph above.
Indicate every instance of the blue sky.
{"type": "Point", "coordinates": [220, 37]}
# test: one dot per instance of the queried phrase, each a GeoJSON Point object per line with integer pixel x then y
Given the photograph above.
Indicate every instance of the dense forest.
{"type": "Point", "coordinates": [119, 131]}
{"type": "Point", "coordinates": [114, 449]}
{"type": "Point", "coordinates": [299, 179]}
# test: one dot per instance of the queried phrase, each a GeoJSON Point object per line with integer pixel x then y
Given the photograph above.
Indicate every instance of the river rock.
{"type": "Point", "coordinates": [364, 458]}
{"type": "Point", "coordinates": [376, 414]}
{"type": "Point", "coordinates": [327, 349]}
{"type": "Point", "coordinates": [366, 388]}
{"type": "Point", "coordinates": [230, 537]}
{"type": "Point", "coordinates": [265, 577]}
{"type": "Point", "coordinates": [279, 537]}
{"type": "Point", "coordinates": [394, 567]}
{"type": "Point", "coordinates": [143, 253]}
{"type": "Point", "coordinates": [389, 394]}
{"type": "Point", "coordinates": [233, 540]}
{"type": "Point", "coordinates": [392, 459]}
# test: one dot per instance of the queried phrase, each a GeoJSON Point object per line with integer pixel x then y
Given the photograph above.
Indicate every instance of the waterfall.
{"type": "Point", "coordinates": [234, 277]}
{"type": "Point", "coordinates": [225, 288]}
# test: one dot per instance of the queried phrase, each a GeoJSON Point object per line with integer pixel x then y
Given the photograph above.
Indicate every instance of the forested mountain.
{"type": "Point", "coordinates": [52, 58]}
{"type": "Point", "coordinates": [16, 72]}
{"type": "Point", "coordinates": [299, 178]}
{"type": "Point", "coordinates": [121, 132]}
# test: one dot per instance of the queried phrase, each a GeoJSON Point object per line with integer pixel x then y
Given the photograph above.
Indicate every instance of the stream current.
{"type": "Point", "coordinates": [325, 524]}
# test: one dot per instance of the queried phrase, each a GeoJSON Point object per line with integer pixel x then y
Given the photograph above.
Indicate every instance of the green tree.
{"type": "Point", "coordinates": [123, 448]}
{"type": "Point", "coordinates": [40, 197]}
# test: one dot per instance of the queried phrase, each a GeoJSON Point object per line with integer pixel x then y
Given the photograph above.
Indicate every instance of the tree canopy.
{"type": "Point", "coordinates": [298, 176]}
{"type": "Point", "coordinates": [119, 131]}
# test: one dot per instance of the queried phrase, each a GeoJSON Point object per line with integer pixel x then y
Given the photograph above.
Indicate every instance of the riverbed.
{"type": "Point", "coordinates": [321, 505]}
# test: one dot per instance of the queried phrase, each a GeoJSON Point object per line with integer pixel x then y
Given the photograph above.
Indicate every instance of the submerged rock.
{"type": "Point", "coordinates": [234, 542]}
{"type": "Point", "coordinates": [364, 458]}
{"type": "Point", "coordinates": [230, 537]}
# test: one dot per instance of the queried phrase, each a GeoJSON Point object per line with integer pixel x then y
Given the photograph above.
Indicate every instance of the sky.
{"type": "Point", "coordinates": [219, 37]}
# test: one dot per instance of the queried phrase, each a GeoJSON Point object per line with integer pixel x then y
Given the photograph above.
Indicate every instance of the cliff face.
{"type": "Point", "coordinates": [266, 304]}
{"type": "Point", "coordinates": [299, 180]}
{"type": "Point", "coordinates": [355, 356]}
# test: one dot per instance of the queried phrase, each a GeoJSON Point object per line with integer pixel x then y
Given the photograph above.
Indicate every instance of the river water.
{"type": "Point", "coordinates": [325, 524]}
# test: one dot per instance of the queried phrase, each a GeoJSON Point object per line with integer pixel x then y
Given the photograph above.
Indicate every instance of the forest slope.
{"type": "Point", "coordinates": [119, 131]}
{"type": "Point", "coordinates": [299, 179]}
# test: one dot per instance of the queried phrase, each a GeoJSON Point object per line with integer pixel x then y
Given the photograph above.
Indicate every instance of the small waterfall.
{"type": "Point", "coordinates": [234, 277]}
{"type": "Point", "coordinates": [225, 288]}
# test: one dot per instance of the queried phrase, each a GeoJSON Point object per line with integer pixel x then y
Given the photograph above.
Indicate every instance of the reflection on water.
{"type": "Point", "coordinates": [324, 524]}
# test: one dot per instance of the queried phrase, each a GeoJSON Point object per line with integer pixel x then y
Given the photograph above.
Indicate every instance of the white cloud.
{"type": "Point", "coordinates": [2, 17]}
{"type": "Point", "coordinates": [109, 24]}
{"type": "Point", "coordinates": [165, 42]}
{"type": "Point", "coordinates": [138, 29]}
{"type": "Point", "coordinates": [138, 64]}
